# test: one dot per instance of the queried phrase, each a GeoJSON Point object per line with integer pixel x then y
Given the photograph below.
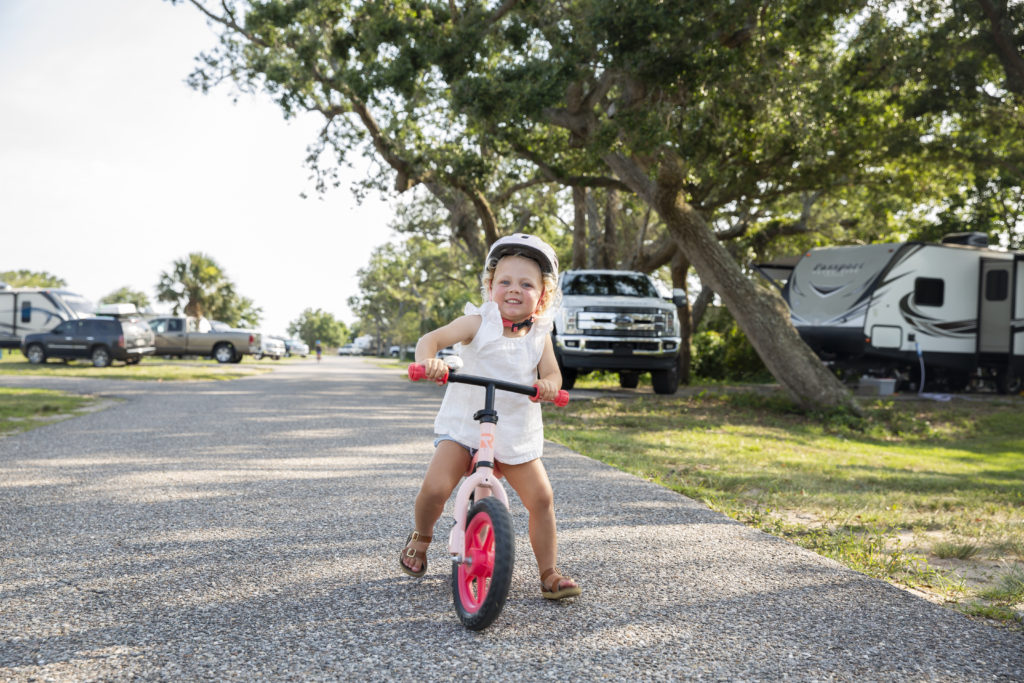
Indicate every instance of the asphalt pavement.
{"type": "Point", "coordinates": [250, 530]}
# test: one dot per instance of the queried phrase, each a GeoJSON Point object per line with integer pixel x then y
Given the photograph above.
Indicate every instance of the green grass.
{"type": "Point", "coordinates": [150, 368]}
{"type": "Point", "coordinates": [880, 493]}
{"type": "Point", "coordinates": [24, 409]}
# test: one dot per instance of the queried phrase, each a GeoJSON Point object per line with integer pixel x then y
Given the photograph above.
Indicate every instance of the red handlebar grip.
{"type": "Point", "coordinates": [418, 372]}
{"type": "Point", "coordinates": [560, 400]}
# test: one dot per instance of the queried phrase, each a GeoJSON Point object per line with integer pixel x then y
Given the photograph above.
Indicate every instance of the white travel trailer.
{"type": "Point", "coordinates": [875, 308]}
{"type": "Point", "coordinates": [27, 310]}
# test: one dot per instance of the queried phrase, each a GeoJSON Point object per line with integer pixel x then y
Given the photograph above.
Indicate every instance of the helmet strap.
{"type": "Point", "coordinates": [521, 325]}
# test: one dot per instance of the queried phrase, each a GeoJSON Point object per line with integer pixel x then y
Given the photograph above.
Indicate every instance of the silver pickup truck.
{"type": "Point", "coordinates": [181, 336]}
{"type": "Point", "coordinates": [617, 320]}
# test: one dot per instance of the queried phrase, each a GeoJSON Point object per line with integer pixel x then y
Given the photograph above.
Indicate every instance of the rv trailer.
{"type": "Point", "coordinates": [31, 309]}
{"type": "Point", "coordinates": [882, 309]}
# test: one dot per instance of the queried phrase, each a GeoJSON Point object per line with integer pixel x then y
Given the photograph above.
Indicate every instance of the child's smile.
{"type": "Point", "coordinates": [517, 287]}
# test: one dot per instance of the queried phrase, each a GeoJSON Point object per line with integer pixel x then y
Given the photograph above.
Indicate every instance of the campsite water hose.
{"type": "Point", "coordinates": [920, 387]}
{"type": "Point", "coordinates": [920, 360]}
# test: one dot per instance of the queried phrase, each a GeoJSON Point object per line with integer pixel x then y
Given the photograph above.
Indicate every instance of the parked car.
{"type": "Point", "coordinates": [350, 350]}
{"type": "Point", "coordinates": [270, 346]}
{"type": "Point", "coordinates": [296, 347]}
{"type": "Point", "coordinates": [446, 351]}
{"type": "Point", "coordinates": [396, 351]}
{"type": "Point", "coordinates": [100, 340]}
{"type": "Point", "coordinates": [187, 336]}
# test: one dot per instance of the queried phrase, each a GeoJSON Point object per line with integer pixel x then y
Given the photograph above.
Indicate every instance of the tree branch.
{"type": "Point", "coordinates": [1006, 51]}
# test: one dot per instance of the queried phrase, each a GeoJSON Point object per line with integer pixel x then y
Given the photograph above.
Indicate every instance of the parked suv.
{"type": "Point", "coordinates": [101, 340]}
{"type": "Point", "coordinates": [617, 320]}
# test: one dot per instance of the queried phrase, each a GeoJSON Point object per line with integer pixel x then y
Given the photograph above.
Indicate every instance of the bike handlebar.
{"type": "Point", "coordinates": [418, 372]}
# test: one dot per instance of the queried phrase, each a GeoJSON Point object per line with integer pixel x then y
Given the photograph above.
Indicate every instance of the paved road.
{"type": "Point", "coordinates": [250, 530]}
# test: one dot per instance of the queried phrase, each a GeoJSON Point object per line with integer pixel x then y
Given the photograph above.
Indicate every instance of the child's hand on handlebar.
{"type": "Point", "coordinates": [546, 390]}
{"type": "Point", "coordinates": [435, 369]}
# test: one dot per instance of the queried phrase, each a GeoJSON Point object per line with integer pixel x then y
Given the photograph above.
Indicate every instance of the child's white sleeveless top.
{"type": "Point", "coordinates": [519, 436]}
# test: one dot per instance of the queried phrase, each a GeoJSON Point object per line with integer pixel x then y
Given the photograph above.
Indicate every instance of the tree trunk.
{"type": "Point", "coordinates": [579, 226]}
{"type": "Point", "coordinates": [611, 221]}
{"type": "Point", "coordinates": [760, 313]}
{"type": "Point", "coordinates": [595, 241]}
{"type": "Point", "coordinates": [700, 306]}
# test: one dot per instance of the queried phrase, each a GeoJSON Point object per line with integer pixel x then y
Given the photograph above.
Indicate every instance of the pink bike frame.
{"type": "Point", "coordinates": [484, 482]}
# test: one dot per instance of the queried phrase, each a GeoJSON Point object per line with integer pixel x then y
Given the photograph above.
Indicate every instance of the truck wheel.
{"type": "Point", "coordinates": [35, 354]}
{"type": "Point", "coordinates": [237, 358]}
{"type": "Point", "coordinates": [100, 357]}
{"type": "Point", "coordinates": [665, 381]}
{"type": "Point", "coordinates": [629, 380]}
{"type": "Point", "coordinates": [568, 378]}
{"type": "Point", "coordinates": [223, 353]}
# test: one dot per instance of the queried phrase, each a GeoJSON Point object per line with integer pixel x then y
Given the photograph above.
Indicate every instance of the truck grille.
{"type": "Point", "coordinates": [623, 346]}
{"type": "Point", "coordinates": [620, 322]}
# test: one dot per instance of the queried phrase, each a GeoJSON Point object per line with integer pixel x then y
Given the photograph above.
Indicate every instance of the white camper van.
{"type": "Point", "coordinates": [27, 310]}
{"type": "Point", "coordinates": [874, 308]}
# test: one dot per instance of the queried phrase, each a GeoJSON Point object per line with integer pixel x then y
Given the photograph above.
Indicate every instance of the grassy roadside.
{"type": "Point", "coordinates": [150, 368]}
{"type": "Point", "coordinates": [926, 495]}
{"type": "Point", "coordinates": [24, 409]}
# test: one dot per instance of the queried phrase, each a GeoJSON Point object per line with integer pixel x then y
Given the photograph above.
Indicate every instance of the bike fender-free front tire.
{"type": "Point", "coordinates": [480, 585]}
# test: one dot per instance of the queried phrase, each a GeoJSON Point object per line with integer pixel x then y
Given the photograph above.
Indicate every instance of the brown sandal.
{"type": "Point", "coordinates": [550, 580]}
{"type": "Point", "coordinates": [409, 552]}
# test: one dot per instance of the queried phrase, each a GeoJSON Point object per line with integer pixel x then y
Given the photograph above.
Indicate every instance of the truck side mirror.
{"type": "Point", "coordinates": [679, 297]}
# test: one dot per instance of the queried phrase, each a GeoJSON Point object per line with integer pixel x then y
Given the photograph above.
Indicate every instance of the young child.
{"type": "Point", "coordinates": [508, 337]}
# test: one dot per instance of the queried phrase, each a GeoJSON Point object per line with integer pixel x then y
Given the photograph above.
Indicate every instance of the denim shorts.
{"type": "Point", "coordinates": [446, 437]}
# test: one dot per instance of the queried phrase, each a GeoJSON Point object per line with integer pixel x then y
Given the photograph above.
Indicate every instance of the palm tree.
{"type": "Point", "coordinates": [196, 281]}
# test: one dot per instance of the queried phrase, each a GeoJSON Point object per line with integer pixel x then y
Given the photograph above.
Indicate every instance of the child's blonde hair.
{"type": "Point", "coordinates": [549, 298]}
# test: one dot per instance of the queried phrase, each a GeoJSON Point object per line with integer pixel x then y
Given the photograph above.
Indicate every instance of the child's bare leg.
{"type": "Point", "coordinates": [530, 480]}
{"type": "Point", "coordinates": [446, 468]}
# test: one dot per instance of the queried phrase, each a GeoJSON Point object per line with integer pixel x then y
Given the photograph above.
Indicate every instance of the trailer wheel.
{"type": "Point", "coordinates": [1007, 382]}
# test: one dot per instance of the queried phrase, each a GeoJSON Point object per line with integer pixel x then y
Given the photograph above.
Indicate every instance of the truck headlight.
{"type": "Point", "coordinates": [572, 321]}
{"type": "Point", "coordinates": [671, 324]}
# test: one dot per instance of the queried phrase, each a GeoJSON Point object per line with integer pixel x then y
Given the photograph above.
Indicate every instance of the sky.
{"type": "Point", "coordinates": [112, 168]}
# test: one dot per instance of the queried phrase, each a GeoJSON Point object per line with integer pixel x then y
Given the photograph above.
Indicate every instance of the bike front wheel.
{"type": "Point", "coordinates": [480, 584]}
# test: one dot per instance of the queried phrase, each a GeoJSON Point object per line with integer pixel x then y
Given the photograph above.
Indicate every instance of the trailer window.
{"type": "Point", "coordinates": [929, 291]}
{"type": "Point", "coordinates": [997, 285]}
{"type": "Point", "coordinates": [26, 311]}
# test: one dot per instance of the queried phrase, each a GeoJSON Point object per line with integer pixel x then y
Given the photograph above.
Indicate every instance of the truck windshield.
{"type": "Point", "coordinates": [609, 284]}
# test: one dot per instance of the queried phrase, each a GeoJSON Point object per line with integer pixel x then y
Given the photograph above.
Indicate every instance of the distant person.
{"type": "Point", "coordinates": [319, 350]}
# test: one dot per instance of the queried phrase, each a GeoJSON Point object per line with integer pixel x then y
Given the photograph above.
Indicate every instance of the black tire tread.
{"type": "Point", "coordinates": [504, 560]}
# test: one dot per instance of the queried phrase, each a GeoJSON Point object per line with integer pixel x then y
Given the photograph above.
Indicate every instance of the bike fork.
{"type": "Point", "coordinates": [482, 482]}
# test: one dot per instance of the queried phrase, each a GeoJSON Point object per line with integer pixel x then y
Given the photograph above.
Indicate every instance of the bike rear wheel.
{"type": "Point", "coordinates": [480, 585]}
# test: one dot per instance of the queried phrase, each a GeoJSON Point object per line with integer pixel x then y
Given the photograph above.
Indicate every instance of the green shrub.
{"type": "Point", "coordinates": [708, 355]}
{"type": "Point", "coordinates": [726, 356]}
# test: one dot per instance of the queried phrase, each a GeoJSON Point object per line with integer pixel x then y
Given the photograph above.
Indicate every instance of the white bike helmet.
{"type": "Point", "coordinates": [531, 245]}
